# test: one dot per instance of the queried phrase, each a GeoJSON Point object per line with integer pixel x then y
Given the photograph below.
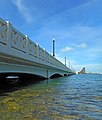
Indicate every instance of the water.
{"type": "Point", "coordinates": [78, 97]}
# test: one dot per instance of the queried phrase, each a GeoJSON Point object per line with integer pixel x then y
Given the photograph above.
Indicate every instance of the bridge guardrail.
{"type": "Point", "coordinates": [14, 39]}
{"type": "Point", "coordinates": [3, 32]}
{"type": "Point", "coordinates": [18, 40]}
{"type": "Point", "coordinates": [32, 47]}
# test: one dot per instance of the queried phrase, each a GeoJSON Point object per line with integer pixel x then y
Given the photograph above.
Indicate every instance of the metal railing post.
{"type": "Point", "coordinates": [27, 38]}
{"type": "Point", "coordinates": [9, 32]}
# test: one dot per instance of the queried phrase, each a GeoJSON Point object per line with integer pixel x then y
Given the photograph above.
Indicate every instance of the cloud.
{"type": "Point", "coordinates": [66, 49]}
{"type": "Point", "coordinates": [82, 45]}
{"type": "Point", "coordinates": [23, 10]}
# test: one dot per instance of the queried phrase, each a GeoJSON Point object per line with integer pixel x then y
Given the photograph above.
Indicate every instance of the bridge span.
{"type": "Point", "coordinates": [20, 55]}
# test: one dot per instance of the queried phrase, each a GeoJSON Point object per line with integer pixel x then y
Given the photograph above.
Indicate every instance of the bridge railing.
{"type": "Point", "coordinates": [18, 40]}
{"type": "Point", "coordinates": [12, 38]}
{"type": "Point", "coordinates": [31, 48]}
{"type": "Point", "coordinates": [3, 32]}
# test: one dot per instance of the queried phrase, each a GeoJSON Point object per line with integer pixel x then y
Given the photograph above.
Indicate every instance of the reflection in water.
{"type": "Point", "coordinates": [77, 97]}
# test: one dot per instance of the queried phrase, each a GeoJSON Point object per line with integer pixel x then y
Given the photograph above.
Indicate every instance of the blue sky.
{"type": "Point", "coordinates": [76, 26]}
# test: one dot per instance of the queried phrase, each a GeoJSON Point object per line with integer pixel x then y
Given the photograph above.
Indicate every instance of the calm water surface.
{"type": "Point", "coordinates": [78, 97]}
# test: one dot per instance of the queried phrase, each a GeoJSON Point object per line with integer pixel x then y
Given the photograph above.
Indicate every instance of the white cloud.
{"type": "Point", "coordinates": [82, 45]}
{"type": "Point", "coordinates": [66, 49]}
{"type": "Point", "coordinates": [23, 10]}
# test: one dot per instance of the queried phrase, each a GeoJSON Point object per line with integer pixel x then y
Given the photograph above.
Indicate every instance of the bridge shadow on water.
{"type": "Point", "coordinates": [10, 82]}
{"type": "Point", "coordinates": [13, 82]}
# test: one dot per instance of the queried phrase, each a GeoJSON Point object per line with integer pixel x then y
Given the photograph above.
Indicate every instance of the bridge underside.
{"type": "Point", "coordinates": [8, 69]}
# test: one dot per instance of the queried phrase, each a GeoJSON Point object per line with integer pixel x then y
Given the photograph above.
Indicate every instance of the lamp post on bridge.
{"type": "Point", "coordinates": [69, 65]}
{"type": "Point", "coordinates": [53, 47]}
{"type": "Point", "coordinates": [65, 61]}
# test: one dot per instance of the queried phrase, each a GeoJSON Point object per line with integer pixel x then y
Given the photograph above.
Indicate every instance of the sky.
{"type": "Point", "coordinates": [76, 26]}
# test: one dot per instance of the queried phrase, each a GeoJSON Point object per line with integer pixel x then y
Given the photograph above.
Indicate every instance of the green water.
{"type": "Point", "coordinates": [77, 97]}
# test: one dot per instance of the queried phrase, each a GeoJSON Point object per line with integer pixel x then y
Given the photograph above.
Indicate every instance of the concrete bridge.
{"type": "Point", "coordinates": [20, 55]}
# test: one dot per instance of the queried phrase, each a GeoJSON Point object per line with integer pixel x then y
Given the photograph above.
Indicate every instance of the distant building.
{"type": "Point", "coordinates": [82, 71]}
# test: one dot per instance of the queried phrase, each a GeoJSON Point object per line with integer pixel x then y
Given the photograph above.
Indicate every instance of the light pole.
{"type": "Point", "coordinates": [69, 65]}
{"type": "Point", "coordinates": [65, 61]}
{"type": "Point", "coordinates": [53, 47]}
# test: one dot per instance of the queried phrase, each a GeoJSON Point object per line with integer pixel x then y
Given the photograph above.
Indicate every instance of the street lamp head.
{"type": "Point", "coordinates": [53, 39]}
